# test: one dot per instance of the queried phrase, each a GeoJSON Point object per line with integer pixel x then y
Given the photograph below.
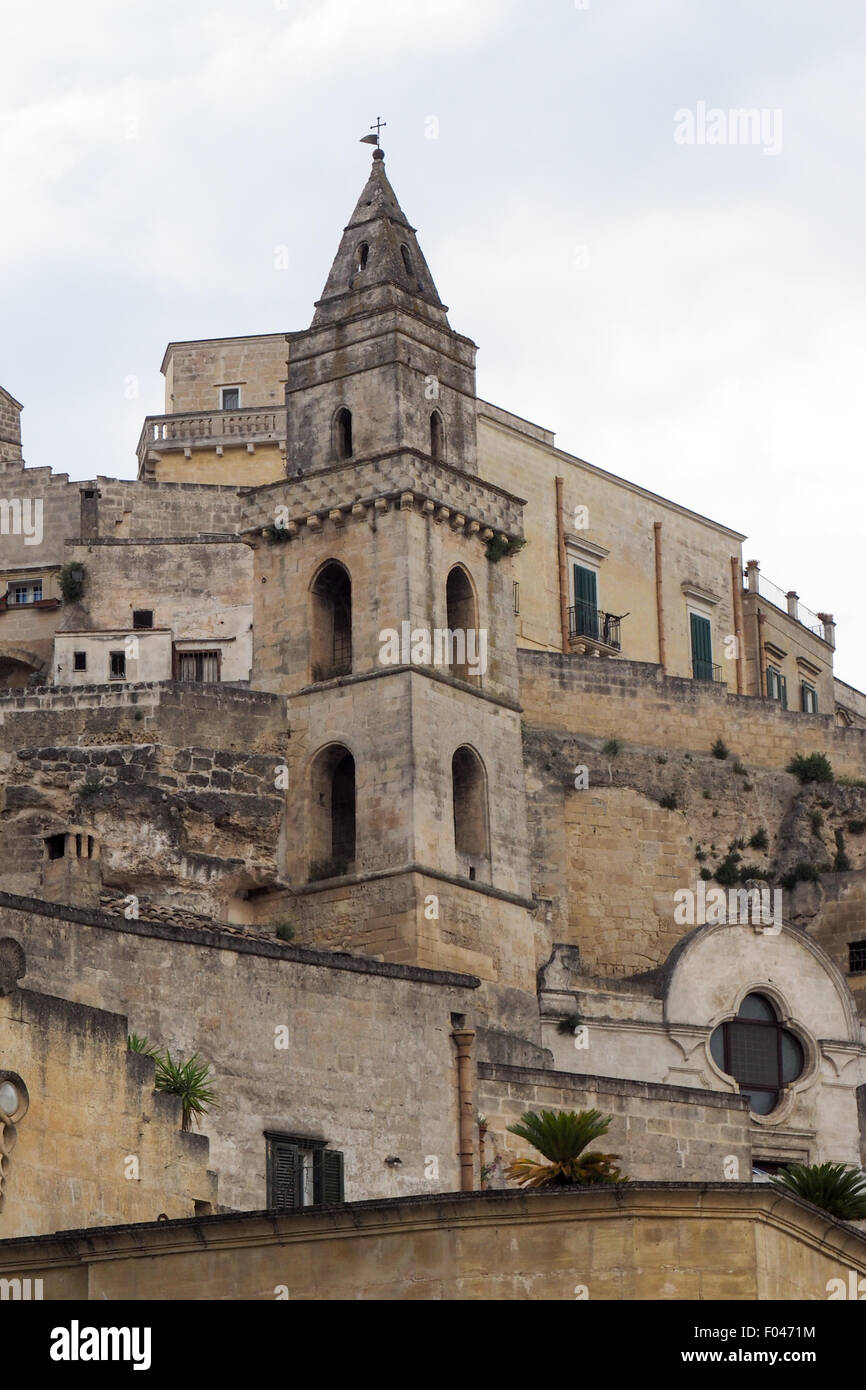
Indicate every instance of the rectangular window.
{"type": "Point", "coordinates": [142, 618]}
{"type": "Point", "coordinates": [809, 698]}
{"type": "Point", "coordinates": [777, 686]}
{"type": "Point", "coordinates": [516, 599]}
{"type": "Point", "coordinates": [26, 593]}
{"type": "Point", "coordinates": [857, 957]}
{"type": "Point", "coordinates": [79, 661]}
{"type": "Point", "coordinates": [702, 647]}
{"type": "Point", "coordinates": [231, 398]}
{"type": "Point", "coordinates": [302, 1173]}
{"type": "Point", "coordinates": [118, 666]}
{"type": "Point", "coordinates": [201, 668]}
{"type": "Point", "coordinates": [585, 603]}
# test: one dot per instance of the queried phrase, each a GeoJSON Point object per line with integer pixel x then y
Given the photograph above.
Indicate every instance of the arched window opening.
{"type": "Point", "coordinates": [471, 833]}
{"type": "Point", "coordinates": [462, 612]}
{"type": "Point", "coordinates": [761, 1055]}
{"type": "Point", "coordinates": [437, 435]}
{"type": "Point", "coordinates": [332, 623]}
{"type": "Point", "coordinates": [407, 260]}
{"type": "Point", "coordinates": [343, 445]}
{"type": "Point", "coordinates": [363, 256]}
{"type": "Point", "coordinates": [333, 828]}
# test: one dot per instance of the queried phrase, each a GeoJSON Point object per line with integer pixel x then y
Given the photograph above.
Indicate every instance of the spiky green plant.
{"type": "Point", "coordinates": [834, 1187]}
{"type": "Point", "coordinates": [561, 1139]}
{"type": "Point", "coordinates": [141, 1045]}
{"type": "Point", "coordinates": [189, 1081]}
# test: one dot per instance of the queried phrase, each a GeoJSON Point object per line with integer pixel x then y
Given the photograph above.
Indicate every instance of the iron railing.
{"type": "Point", "coordinates": [706, 671]}
{"type": "Point", "coordinates": [584, 620]}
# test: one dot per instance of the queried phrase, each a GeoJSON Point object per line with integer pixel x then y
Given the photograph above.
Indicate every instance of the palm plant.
{"type": "Point", "coordinates": [189, 1080]}
{"type": "Point", "coordinates": [561, 1139]}
{"type": "Point", "coordinates": [834, 1187]}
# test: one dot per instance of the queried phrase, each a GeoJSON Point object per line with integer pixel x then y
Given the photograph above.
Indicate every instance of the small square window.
{"type": "Point", "coordinates": [142, 618]}
{"type": "Point", "coordinates": [231, 398]}
{"type": "Point", "coordinates": [857, 957]}
{"type": "Point", "coordinates": [118, 666]}
{"type": "Point", "coordinates": [302, 1173]}
{"type": "Point", "coordinates": [79, 661]}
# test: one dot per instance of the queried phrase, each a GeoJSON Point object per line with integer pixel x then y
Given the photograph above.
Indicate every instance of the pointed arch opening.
{"type": "Point", "coordinates": [462, 615]}
{"type": "Point", "coordinates": [362, 256]}
{"type": "Point", "coordinates": [437, 435]}
{"type": "Point", "coordinates": [344, 446]}
{"type": "Point", "coordinates": [407, 259]}
{"type": "Point", "coordinates": [333, 824]}
{"type": "Point", "coordinates": [331, 626]}
{"type": "Point", "coordinates": [471, 820]}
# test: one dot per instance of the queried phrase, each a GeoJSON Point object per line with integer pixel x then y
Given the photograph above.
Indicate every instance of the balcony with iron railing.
{"type": "Point", "coordinates": [213, 429]}
{"type": "Point", "coordinates": [706, 671]}
{"type": "Point", "coordinates": [591, 630]}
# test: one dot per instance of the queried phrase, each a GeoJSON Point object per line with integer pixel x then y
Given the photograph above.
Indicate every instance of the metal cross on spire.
{"type": "Point", "coordinates": [379, 126]}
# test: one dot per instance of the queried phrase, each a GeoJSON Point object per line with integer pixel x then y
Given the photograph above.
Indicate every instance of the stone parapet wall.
{"type": "Point", "coordinates": [667, 1133]}
{"type": "Point", "coordinates": [633, 701]}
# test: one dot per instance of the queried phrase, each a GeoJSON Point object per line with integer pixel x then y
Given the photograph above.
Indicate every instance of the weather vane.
{"type": "Point", "coordinates": [375, 139]}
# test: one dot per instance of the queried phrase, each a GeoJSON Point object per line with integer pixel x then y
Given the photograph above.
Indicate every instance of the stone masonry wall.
{"type": "Point", "coordinates": [666, 1133]}
{"type": "Point", "coordinates": [369, 1064]}
{"type": "Point", "coordinates": [634, 702]}
{"type": "Point", "coordinates": [92, 1109]}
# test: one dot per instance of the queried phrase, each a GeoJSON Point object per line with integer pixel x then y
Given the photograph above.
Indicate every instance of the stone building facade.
{"type": "Point", "coordinates": [376, 750]}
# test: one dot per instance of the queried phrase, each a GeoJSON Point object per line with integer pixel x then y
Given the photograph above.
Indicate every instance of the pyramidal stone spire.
{"type": "Point", "coordinates": [379, 264]}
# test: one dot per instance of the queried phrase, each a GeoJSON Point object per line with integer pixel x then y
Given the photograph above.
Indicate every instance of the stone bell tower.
{"type": "Point", "coordinates": [386, 616]}
{"type": "Point", "coordinates": [379, 347]}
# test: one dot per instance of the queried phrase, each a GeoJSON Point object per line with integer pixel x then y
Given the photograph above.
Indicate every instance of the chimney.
{"type": "Point", "coordinates": [829, 624]}
{"type": "Point", "coordinates": [71, 872]}
{"type": "Point", "coordinates": [753, 571]}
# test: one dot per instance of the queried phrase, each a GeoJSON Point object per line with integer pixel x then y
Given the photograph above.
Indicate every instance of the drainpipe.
{"type": "Point", "coordinates": [660, 606]}
{"type": "Point", "coordinates": [762, 675]}
{"type": "Point", "coordinates": [737, 582]}
{"type": "Point", "coordinates": [563, 561]}
{"type": "Point", "coordinates": [464, 1038]}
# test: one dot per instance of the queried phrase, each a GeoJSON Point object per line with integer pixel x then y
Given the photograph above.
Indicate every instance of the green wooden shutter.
{"type": "Point", "coordinates": [585, 601]}
{"type": "Point", "coordinates": [702, 648]}
{"type": "Point", "coordinates": [285, 1188]}
{"type": "Point", "coordinates": [783, 691]}
{"type": "Point", "coordinates": [327, 1178]}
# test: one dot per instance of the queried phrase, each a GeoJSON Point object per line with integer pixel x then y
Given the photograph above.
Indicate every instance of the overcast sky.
{"type": "Point", "coordinates": [687, 315]}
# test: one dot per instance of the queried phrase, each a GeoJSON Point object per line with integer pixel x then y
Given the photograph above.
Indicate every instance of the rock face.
{"type": "Point", "coordinates": [192, 825]}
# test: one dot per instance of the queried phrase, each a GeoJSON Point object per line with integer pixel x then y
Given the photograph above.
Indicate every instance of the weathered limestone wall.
{"type": "Point", "coordinates": [142, 509]}
{"type": "Point", "coordinates": [853, 701]}
{"type": "Point", "coordinates": [635, 703]}
{"type": "Point", "coordinates": [177, 783]}
{"type": "Point", "coordinates": [662, 1133]}
{"type": "Point", "coordinates": [370, 1064]}
{"type": "Point", "coordinates": [92, 1108]}
{"type": "Point", "coordinates": [233, 467]}
{"type": "Point", "coordinates": [800, 655]}
{"type": "Point", "coordinates": [200, 594]}
{"type": "Point", "coordinates": [652, 1242]}
{"type": "Point", "coordinates": [696, 551]}
{"type": "Point", "coordinates": [195, 372]}
{"type": "Point", "coordinates": [10, 427]}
